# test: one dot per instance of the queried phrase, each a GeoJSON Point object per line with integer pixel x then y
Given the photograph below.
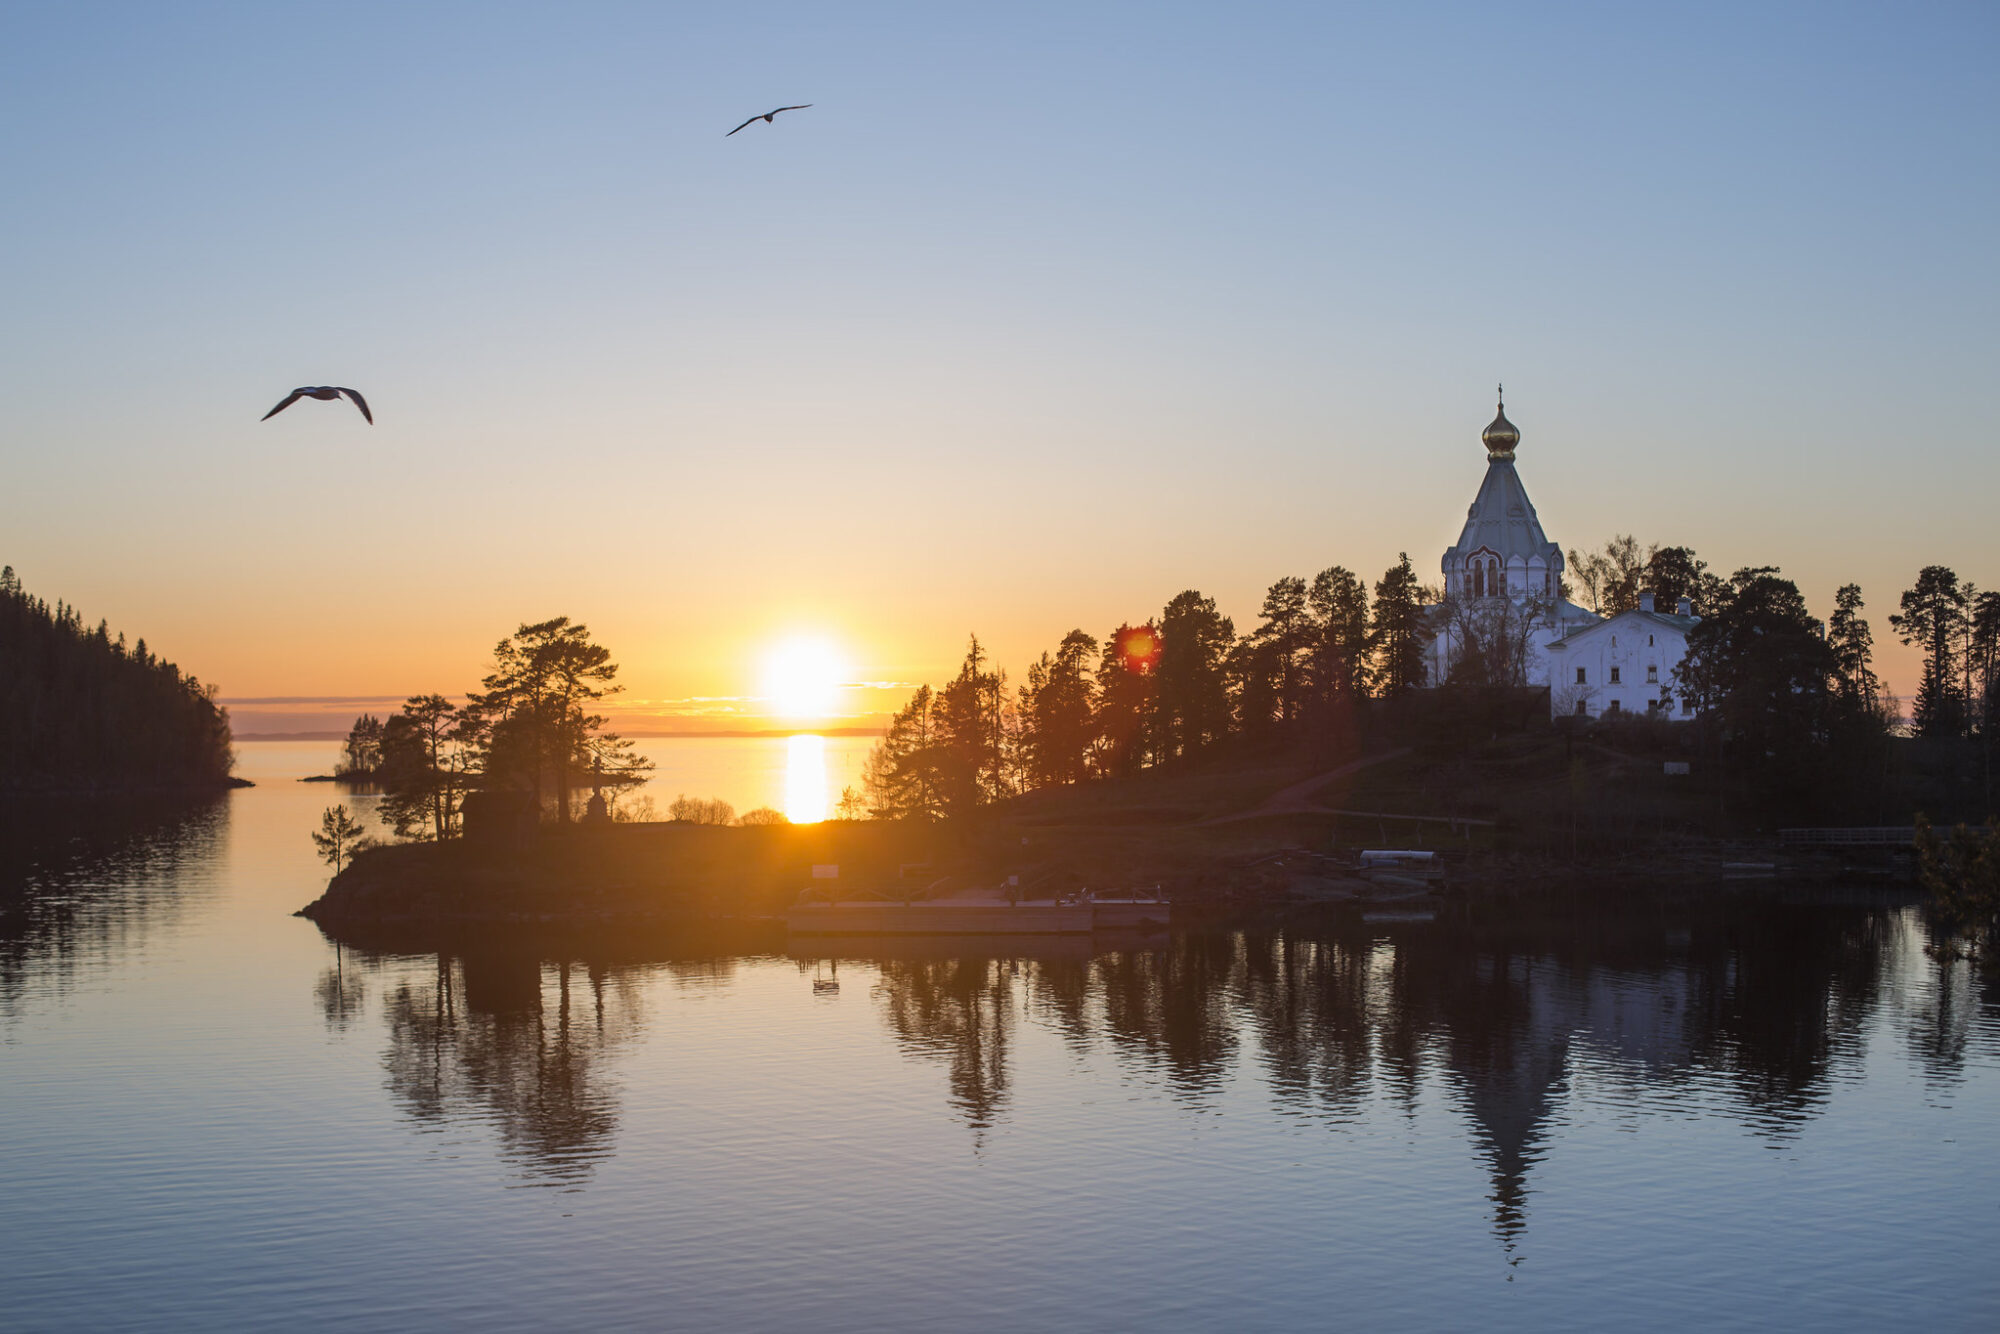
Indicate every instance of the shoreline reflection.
{"type": "Point", "coordinates": [1752, 1013]}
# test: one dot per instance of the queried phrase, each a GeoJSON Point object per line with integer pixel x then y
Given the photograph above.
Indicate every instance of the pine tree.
{"type": "Point", "coordinates": [900, 776]}
{"type": "Point", "coordinates": [339, 837]}
{"type": "Point", "coordinates": [1192, 707]}
{"type": "Point", "coordinates": [1853, 645]}
{"type": "Point", "coordinates": [1933, 618]}
{"type": "Point", "coordinates": [1398, 634]}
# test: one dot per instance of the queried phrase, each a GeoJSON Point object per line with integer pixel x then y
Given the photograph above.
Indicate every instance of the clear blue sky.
{"type": "Point", "coordinates": [1041, 314]}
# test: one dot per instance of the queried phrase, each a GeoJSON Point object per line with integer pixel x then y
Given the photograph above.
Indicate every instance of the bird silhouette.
{"type": "Point", "coordinates": [766, 117]}
{"type": "Point", "coordinates": [329, 393]}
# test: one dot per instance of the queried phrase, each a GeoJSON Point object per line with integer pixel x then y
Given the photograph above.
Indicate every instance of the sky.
{"type": "Point", "coordinates": [1041, 314]}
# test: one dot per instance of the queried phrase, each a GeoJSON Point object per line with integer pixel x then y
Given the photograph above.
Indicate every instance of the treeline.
{"type": "Point", "coordinates": [530, 729]}
{"type": "Point", "coordinates": [1155, 692]}
{"type": "Point", "coordinates": [79, 709]}
{"type": "Point", "coordinates": [1786, 704]}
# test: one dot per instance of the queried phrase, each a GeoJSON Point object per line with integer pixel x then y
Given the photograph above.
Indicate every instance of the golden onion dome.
{"type": "Point", "coordinates": [1502, 436]}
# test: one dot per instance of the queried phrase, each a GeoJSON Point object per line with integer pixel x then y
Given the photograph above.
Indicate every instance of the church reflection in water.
{"type": "Point", "coordinates": [1751, 1013]}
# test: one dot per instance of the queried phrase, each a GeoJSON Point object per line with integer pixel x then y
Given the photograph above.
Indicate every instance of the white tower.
{"type": "Point", "coordinates": [1503, 571]}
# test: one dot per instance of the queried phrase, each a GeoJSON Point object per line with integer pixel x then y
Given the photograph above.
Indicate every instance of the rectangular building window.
{"type": "Point", "coordinates": [1614, 676]}
{"type": "Point", "coordinates": [1579, 676]}
{"type": "Point", "coordinates": [1582, 709]}
{"type": "Point", "coordinates": [1612, 707]}
{"type": "Point", "coordinates": [1652, 674]}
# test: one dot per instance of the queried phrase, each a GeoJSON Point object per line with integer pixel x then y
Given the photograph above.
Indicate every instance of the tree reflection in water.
{"type": "Point", "coordinates": [1747, 1011]}
{"type": "Point", "coordinates": [496, 1036]}
{"type": "Point", "coordinates": [81, 877]}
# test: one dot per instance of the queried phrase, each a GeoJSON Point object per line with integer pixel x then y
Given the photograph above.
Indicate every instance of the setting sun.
{"type": "Point", "coordinates": [802, 678]}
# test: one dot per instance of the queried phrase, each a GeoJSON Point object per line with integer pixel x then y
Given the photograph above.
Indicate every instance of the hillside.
{"type": "Point", "coordinates": [79, 711]}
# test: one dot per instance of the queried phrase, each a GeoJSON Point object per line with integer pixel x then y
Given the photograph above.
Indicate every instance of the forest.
{"type": "Point", "coordinates": [82, 711]}
{"type": "Point", "coordinates": [1785, 705]}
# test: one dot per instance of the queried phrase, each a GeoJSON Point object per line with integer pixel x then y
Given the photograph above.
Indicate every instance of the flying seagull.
{"type": "Point", "coordinates": [329, 393]}
{"type": "Point", "coordinates": [766, 117]}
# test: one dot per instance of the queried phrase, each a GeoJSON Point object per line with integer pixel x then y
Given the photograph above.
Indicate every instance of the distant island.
{"type": "Point", "coordinates": [82, 712]}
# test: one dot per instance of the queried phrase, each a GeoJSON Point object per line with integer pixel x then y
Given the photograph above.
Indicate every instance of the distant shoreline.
{"type": "Point", "coordinates": [649, 736]}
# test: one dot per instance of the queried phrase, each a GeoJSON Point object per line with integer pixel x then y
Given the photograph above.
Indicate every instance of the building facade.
{"type": "Point", "coordinates": [1504, 620]}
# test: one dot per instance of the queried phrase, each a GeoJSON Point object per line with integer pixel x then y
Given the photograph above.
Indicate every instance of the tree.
{"type": "Point", "coordinates": [900, 776]}
{"type": "Point", "coordinates": [1058, 711]}
{"type": "Point", "coordinates": [1853, 645]}
{"type": "Point", "coordinates": [1400, 632]}
{"type": "Point", "coordinates": [1759, 671]}
{"type": "Point", "coordinates": [1127, 684]}
{"type": "Point", "coordinates": [339, 837]}
{"type": "Point", "coordinates": [1268, 669]}
{"type": "Point", "coordinates": [1962, 872]}
{"type": "Point", "coordinates": [1673, 573]}
{"type": "Point", "coordinates": [968, 730]}
{"type": "Point", "coordinates": [426, 757]}
{"type": "Point", "coordinates": [361, 755]}
{"type": "Point", "coordinates": [764, 815]}
{"type": "Point", "coordinates": [537, 726]}
{"type": "Point", "coordinates": [1983, 653]}
{"type": "Point", "coordinates": [695, 810]}
{"type": "Point", "coordinates": [1491, 639]}
{"type": "Point", "coordinates": [851, 806]}
{"type": "Point", "coordinates": [1191, 705]}
{"type": "Point", "coordinates": [1336, 658]}
{"type": "Point", "coordinates": [1933, 618]}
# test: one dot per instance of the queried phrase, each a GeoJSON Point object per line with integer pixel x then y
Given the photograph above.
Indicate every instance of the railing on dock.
{"type": "Point", "coordinates": [1865, 836]}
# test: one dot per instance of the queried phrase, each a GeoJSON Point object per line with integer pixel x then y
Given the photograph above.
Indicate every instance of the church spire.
{"type": "Point", "coordinates": [1502, 436]}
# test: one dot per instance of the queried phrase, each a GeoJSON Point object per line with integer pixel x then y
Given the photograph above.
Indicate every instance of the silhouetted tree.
{"type": "Point", "coordinates": [1933, 618]}
{"type": "Point", "coordinates": [427, 759]}
{"type": "Point", "coordinates": [764, 815]}
{"type": "Point", "coordinates": [339, 837]}
{"type": "Point", "coordinates": [1853, 645]}
{"type": "Point", "coordinates": [1127, 682]}
{"type": "Point", "coordinates": [1983, 653]}
{"type": "Point", "coordinates": [1191, 707]}
{"type": "Point", "coordinates": [1399, 633]}
{"type": "Point", "coordinates": [900, 776]}
{"type": "Point", "coordinates": [1336, 661]}
{"type": "Point", "coordinates": [968, 732]}
{"type": "Point", "coordinates": [1673, 573]}
{"type": "Point", "coordinates": [1268, 668]}
{"type": "Point", "coordinates": [536, 725]}
{"type": "Point", "coordinates": [1058, 711]}
{"type": "Point", "coordinates": [1759, 671]}
{"type": "Point", "coordinates": [361, 755]}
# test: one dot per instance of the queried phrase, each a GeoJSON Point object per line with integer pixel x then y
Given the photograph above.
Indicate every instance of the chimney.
{"type": "Point", "coordinates": [1645, 602]}
{"type": "Point", "coordinates": [1685, 607]}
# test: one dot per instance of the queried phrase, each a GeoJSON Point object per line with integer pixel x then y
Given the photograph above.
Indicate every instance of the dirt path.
{"type": "Point", "coordinates": [1294, 800]}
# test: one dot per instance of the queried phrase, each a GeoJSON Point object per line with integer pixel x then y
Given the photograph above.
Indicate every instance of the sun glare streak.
{"type": "Point", "coordinates": [802, 678]}
{"type": "Point", "coordinates": [805, 779]}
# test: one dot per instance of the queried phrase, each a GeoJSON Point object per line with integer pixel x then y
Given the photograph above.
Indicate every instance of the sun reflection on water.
{"type": "Point", "coordinates": [805, 779]}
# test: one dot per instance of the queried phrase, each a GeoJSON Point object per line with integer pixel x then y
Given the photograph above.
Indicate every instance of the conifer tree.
{"type": "Point", "coordinates": [1127, 683]}
{"type": "Point", "coordinates": [1398, 634]}
{"type": "Point", "coordinates": [900, 776]}
{"type": "Point", "coordinates": [1191, 707]}
{"type": "Point", "coordinates": [1933, 618]}
{"type": "Point", "coordinates": [1853, 645]}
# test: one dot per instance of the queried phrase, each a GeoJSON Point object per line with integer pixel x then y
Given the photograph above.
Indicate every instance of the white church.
{"type": "Point", "coordinates": [1503, 600]}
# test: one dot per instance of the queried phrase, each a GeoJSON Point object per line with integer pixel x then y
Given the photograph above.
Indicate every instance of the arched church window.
{"type": "Point", "coordinates": [1478, 580]}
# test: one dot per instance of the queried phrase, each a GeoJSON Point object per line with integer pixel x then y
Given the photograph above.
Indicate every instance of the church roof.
{"type": "Point", "coordinates": [1503, 520]}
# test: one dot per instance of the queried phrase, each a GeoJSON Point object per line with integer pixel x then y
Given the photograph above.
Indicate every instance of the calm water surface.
{"type": "Point", "coordinates": [1737, 1114]}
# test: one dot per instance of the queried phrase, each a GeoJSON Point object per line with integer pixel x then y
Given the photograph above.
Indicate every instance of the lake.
{"type": "Point", "coordinates": [1737, 1110]}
